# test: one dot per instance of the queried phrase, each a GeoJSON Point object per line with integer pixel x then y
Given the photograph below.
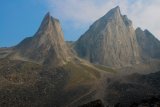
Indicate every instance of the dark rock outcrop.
{"type": "Point", "coordinates": [149, 45]}
{"type": "Point", "coordinates": [97, 103]}
{"type": "Point", "coordinates": [134, 88]}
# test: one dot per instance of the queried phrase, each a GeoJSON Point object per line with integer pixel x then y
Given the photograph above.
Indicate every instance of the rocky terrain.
{"type": "Point", "coordinates": [111, 62]}
{"type": "Point", "coordinates": [133, 90]}
{"type": "Point", "coordinates": [110, 41]}
{"type": "Point", "coordinates": [149, 45]}
{"type": "Point", "coordinates": [47, 46]}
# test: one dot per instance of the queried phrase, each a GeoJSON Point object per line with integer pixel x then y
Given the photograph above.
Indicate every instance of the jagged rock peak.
{"type": "Point", "coordinates": [47, 46]}
{"type": "Point", "coordinates": [113, 12]}
{"type": "Point", "coordinates": [127, 21]}
{"type": "Point", "coordinates": [116, 9]}
{"type": "Point", "coordinates": [113, 37]}
{"type": "Point", "coordinates": [145, 32]}
{"type": "Point", "coordinates": [49, 17]}
{"type": "Point", "coordinates": [148, 43]}
{"type": "Point", "coordinates": [49, 23]}
{"type": "Point", "coordinates": [138, 28]}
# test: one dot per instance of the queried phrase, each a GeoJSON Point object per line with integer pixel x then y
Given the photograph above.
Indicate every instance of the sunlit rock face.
{"type": "Point", "coordinates": [47, 46]}
{"type": "Point", "coordinates": [110, 41]}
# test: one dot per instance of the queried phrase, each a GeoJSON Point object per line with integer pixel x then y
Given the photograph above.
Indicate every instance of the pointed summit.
{"type": "Point", "coordinates": [46, 18]}
{"type": "Point", "coordinates": [115, 12]}
{"type": "Point", "coordinates": [47, 15]}
{"type": "Point", "coordinates": [113, 37]}
{"type": "Point", "coordinates": [116, 9]}
{"type": "Point", "coordinates": [113, 16]}
{"type": "Point", "coordinates": [47, 46]}
{"type": "Point", "coordinates": [49, 23]}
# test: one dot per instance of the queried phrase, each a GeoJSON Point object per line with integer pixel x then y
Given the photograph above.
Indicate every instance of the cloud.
{"type": "Point", "coordinates": [146, 14]}
{"type": "Point", "coordinates": [143, 13]}
{"type": "Point", "coordinates": [80, 11]}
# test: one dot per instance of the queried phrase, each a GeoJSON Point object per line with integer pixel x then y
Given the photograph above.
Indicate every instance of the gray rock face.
{"type": "Point", "coordinates": [149, 45]}
{"type": "Point", "coordinates": [110, 41]}
{"type": "Point", "coordinates": [47, 46]}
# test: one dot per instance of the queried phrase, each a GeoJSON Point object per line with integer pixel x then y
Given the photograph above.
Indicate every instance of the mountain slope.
{"type": "Point", "coordinates": [110, 41]}
{"type": "Point", "coordinates": [42, 72]}
{"type": "Point", "coordinates": [132, 88]}
{"type": "Point", "coordinates": [149, 45]}
{"type": "Point", "coordinates": [47, 46]}
{"type": "Point", "coordinates": [28, 84]}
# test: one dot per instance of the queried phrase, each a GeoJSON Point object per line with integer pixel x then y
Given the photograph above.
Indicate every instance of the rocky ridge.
{"type": "Point", "coordinates": [110, 41]}
{"type": "Point", "coordinates": [47, 46]}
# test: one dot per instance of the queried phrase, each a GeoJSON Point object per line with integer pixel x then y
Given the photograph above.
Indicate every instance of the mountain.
{"type": "Point", "coordinates": [44, 71]}
{"type": "Point", "coordinates": [47, 46]}
{"type": "Point", "coordinates": [110, 41]}
{"type": "Point", "coordinates": [149, 45]}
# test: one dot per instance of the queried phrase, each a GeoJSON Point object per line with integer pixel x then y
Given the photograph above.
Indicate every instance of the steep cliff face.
{"type": "Point", "coordinates": [110, 41]}
{"type": "Point", "coordinates": [47, 46]}
{"type": "Point", "coordinates": [149, 45]}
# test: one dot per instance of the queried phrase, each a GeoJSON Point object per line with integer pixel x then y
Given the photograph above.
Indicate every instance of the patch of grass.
{"type": "Point", "coordinates": [91, 70]}
{"type": "Point", "coordinates": [104, 68]}
{"type": "Point", "coordinates": [80, 75]}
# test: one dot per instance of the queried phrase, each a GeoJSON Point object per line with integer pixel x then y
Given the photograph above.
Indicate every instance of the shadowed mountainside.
{"type": "Point", "coordinates": [44, 71]}
{"type": "Point", "coordinates": [150, 46]}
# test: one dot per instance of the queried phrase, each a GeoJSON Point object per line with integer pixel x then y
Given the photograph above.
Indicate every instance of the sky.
{"type": "Point", "coordinates": [21, 18]}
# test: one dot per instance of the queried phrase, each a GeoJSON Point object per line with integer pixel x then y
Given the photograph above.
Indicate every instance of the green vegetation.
{"type": "Point", "coordinates": [104, 68]}
{"type": "Point", "coordinates": [81, 74]}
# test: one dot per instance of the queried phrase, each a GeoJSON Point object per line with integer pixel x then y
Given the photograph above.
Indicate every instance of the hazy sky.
{"type": "Point", "coordinates": [21, 18]}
